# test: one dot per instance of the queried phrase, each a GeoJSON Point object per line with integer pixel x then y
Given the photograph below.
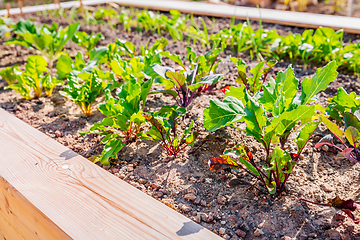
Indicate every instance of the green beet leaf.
{"type": "Point", "coordinates": [9, 74]}
{"type": "Point", "coordinates": [312, 86]}
{"type": "Point", "coordinates": [220, 114]}
{"type": "Point", "coordinates": [83, 89]}
{"type": "Point", "coordinates": [33, 80]}
{"type": "Point", "coordinates": [353, 136]}
{"type": "Point", "coordinates": [86, 41]}
{"type": "Point", "coordinates": [304, 135]}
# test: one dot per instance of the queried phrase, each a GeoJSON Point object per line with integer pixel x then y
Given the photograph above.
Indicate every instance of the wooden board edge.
{"type": "Point", "coordinates": [242, 16]}
{"type": "Point", "coordinates": [20, 219]}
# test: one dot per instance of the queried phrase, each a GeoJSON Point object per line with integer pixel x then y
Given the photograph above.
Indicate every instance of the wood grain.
{"type": "Point", "coordinates": [300, 19]}
{"type": "Point", "coordinates": [50, 189]}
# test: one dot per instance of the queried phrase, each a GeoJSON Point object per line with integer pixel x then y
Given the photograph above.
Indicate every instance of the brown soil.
{"type": "Point", "coordinates": [319, 176]}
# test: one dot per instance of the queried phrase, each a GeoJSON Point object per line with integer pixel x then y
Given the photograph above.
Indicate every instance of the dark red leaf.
{"type": "Point", "coordinates": [154, 122]}
{"type": "Point", "coordinates": [347, 206]}
{"type": "Point", "coordinates": [225, 89]}
{"type": "Point", "coordinates": [217, 163]}
{"type": "Point", "coordinates": [249, 153]}
{"type": "Point", "coordinates": [342, 204]}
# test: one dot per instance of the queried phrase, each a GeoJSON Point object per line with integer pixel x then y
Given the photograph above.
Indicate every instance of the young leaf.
{"type": "Point", "coordinates": [221, 114]}
{"type": "Point", "coordinates": [111, 149]}
{"type": "Point", "coordinates": [350, 119]}
{"type": "Point", "coordinates": [9, 74]}
{"type": "Point", "coordinates": [334, 129]}
{"type": "Point", "coordinates": [311, 86]}
{"type": "Point", "coordinates": [305, 135]}
{"type": "Point", "coordinates": [353, 136]}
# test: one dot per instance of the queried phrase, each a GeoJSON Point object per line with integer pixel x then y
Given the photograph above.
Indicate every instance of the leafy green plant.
{"type": "Point", "coordinates": [65, 65]}
{"type": "Point", "coordinates": [138, 65]}
{"type": "Point", "coordinates": [205, 64]}
{"type": "Point", "coordinates": [84, 88]}
{"type": "Point", "coordinates": [9, 74]}
{"type": "Point", "coordinates": [33, 79]}
{"type": "Point", "coordinates": [123, 120]}
{"type": "Point", "coordinates": [86, 41]}
{"type": "Point", "coordinates": [242, 37]}
{"type": "Point", "coordinates": [126, 19]}
{"type": "Point", "coordinates": [271, 116]}
{"type": "Point", "coordinates": [197, 34]}
{"type": "Point", "coordinates": [323, 45]}
{"type": "Point", "coordinates": [106, 54]}
{"type": "Point", "coordinates": [182, 85]}
{"type": "Point", "coordinates": [49, 41]}
{"type": "Point", "coordinates": [352, 135]}
{"type": "Point", "coordinates": [255, 82]}
{"type": "Point", "coordinates": [6, 26]}
{"type": "Point", "coordinates": [343, 102]}
{"type": "Point", "coordinates": [345, 108]}
{"type": "Point", "coordinates": [164, 130]}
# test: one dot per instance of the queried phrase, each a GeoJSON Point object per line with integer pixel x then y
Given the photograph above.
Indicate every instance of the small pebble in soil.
{"type": "Point", "coordinates": [197, 218]}
{"type": "Point", "coordinates": [226, 237]}
{"type": "Point", "coordinates": [203, 203]}
{"type": "Point", "coordinates": [203, 217]}
{"type": "Point", "coordinates": [185, 208]}
{"type": "Point", "coordinates": [210, 217]}
{"type": "Point", "coordinates": [325, 148]}
{"type": "Point", "coordinates": [240, 233]}
{"type": "Point", "coordinates": [197, 200]}
{"type": "Point", "coordinates": [159, 194]}
{"type": "Point", "coordinates": [222, 231]}
{"type": "Point", "coordinates": [221, 200]}
{"type": "Point", "coordinates": [286, 238]}
{"type": "Point", "coordinates": [312, 235]}
{"type": "Point", "coordinates": [223, 222]}
{"type": "Point", "coordinates": [244, 226]}
{"type": "Point", "coordinates": [142, 181]}
{"type": "Point", "coordinates": [191, 190]}
{"type": "Point", "coordinates": [339, 217]}
{"type": "Point", "coordinates": [58, 133]}
{"type": "Point", "coordinates": [258, 232]}
{"type": "Point", "coordinates": [190, 197]}
{"type": "Point", "coordinates": [333, 234]}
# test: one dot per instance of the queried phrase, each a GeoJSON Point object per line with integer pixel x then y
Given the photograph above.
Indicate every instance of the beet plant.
{"type": "Point", "coordinates": [83, 88]}
{"type": "Point", "coordinates": [164, 130]}
{"type": "Point", "coordinates": [9, 74]}
{"type": "Point", "coordinates": [65, 65]}
{"type": "Point", "coordinates": [123, 122]}
{"type": "Point", "coordinates": [49, 41]}
{"type": "Point", "coordinates": [184, 84]}
{"type": "Point", "coordinates": [271, 116]}
{"type": "Point", "coordinates": [132, 64]}
{"type": "Point", "coordinates": [86, 41]}
{"type": "Point", "coordinates": [255, 82]}
{"type": "Point", "coordinates": [345, 109]}
{"type": "Point", "coordinates": [36, 79]}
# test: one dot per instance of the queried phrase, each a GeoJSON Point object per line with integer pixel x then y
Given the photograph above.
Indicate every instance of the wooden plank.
{"type": "Point", "coordinates": [300, 19]}
{"type": "Point", "coordinates": [54, 190]}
